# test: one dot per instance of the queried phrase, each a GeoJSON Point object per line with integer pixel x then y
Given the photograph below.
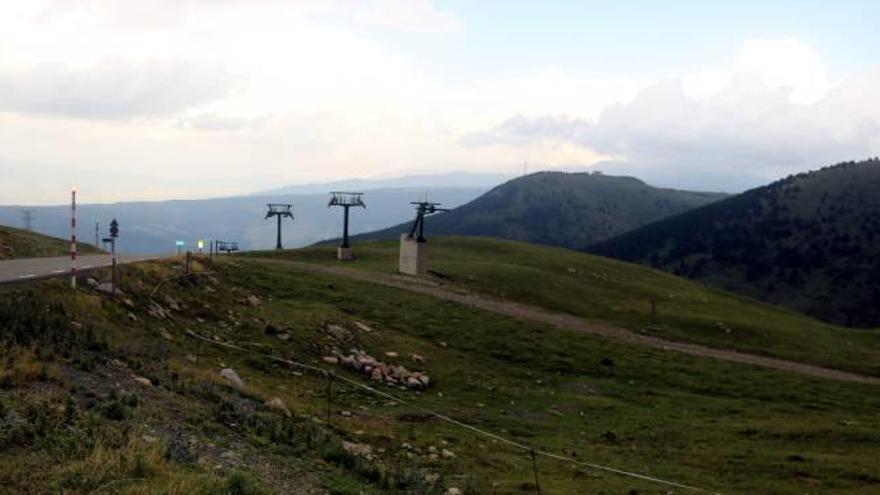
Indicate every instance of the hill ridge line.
{"type": "Point", "coordinates": [566, 321]}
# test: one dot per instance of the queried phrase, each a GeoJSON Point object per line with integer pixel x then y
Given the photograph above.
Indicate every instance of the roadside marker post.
{"type": "Point", "coordinates": [73, 238]}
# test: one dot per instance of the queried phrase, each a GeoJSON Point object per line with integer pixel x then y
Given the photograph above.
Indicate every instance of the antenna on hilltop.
{"type": "Point", "coordinates": [27, 218]}
{"type": "Point", "coordinates": [279, 210]}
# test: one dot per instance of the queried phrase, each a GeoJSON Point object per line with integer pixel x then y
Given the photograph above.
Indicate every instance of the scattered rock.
{"type": "Point", "coordinates": [165, 335]}
{"type": "Point", "coordinates": [283, 336]}
{"type": "Point", "coordinates": [363, 327]}
{"type": "Point", "coordinates": [107, 288]}
{"type": "Point", "coordinates": [75, 325]}
{"type": "Point", "coordinates": [382, 372]}
{"type": "Point", "coordinates": [337, 332]}
{"type": "Point", "coordinates": [143, 381]}
{"type": "Point", "coordinates": [277, 405]}
{"type": "Point", "coordinates": [191, 358]}
{"type": "Point", "coordinates": [453, 491]}
{"type": "Point", "coordinates": [172, 303]}
{"type": "Point", "coordinates": [391, 354]}
{"type": "Point", "coordinates": [572, 270]}
{"type": "Point", "coordinates": [128, 302]}
{"type": "Point", "coordinates": [331, 359]}
{"type": "Point", "coordinates": [417, 358]}
{"type": "Point", "coordinates": [361, 449]}
{"type": "Point", "coordinates": [92, 283]}
{"type": "Point", "coordinates": [251, 300]}
{"type": "Point", "coordinates": [232, 377]}
{"type": "Point", "coordinates": [442, 344]}
{"type": "Point", "coordinates": [447, 454]}
{"type": "Point", "coordinates": [132, 316]}
{"type": "Point", "coordinates": [345, 414]}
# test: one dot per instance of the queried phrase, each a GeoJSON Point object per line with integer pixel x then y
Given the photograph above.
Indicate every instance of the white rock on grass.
{"type": "Point", "coordinates": [232, 377]}
{"type": "Point", "coordinates": [277, 405]}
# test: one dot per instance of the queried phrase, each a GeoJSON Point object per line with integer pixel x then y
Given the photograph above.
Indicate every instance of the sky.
{"type": "Point", "coordinates": [196, 98]}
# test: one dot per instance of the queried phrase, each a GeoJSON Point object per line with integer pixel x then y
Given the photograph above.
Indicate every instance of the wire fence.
{"type": "Point", "coordinates": [531, 451]}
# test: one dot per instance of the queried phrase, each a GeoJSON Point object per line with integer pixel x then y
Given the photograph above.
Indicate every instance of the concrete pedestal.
{"type": "Point", "coordinates": [344, 254]}
{"type": "Point", "coordinates": [413, 256]}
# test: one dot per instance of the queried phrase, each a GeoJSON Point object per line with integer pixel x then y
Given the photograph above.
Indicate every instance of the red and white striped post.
{"type": "Point", "coordinates": [73, 238]}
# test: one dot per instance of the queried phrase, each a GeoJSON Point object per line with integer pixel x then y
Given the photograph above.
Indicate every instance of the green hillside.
{"type": "Point", "coordinates": [808, 242]}
{"type": "Point", "coordinates": [609, 291]}
{"type": "Point", "coordinates": [559, 209]}
{"type": "Point", "coordinates": [18, 243]}
{"type": "Point", "coordinates": [77, 415]}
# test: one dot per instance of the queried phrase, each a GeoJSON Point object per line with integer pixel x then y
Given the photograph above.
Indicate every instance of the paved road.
{"type": "Point", "coordinates": [32, 268]}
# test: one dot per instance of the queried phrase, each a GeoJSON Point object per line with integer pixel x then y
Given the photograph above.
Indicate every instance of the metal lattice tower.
{"type": "Point", "coordinates": [423, 208]}
{"type": "Point", "coordinates": [346, 200]}
{"type": "Point", "coordinates": [27, 218]}
{"type": "Point", "coordinates": [279, 210]}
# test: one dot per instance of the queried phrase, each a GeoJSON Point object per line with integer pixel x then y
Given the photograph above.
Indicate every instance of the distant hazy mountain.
{"type": "Point", "coordinates": [809, 242]}
{"type": "Point", "coordinates": [445, 180]}
{"type": "Point", "coordinates": [152, 227]}
{"type": "Point", "coordinates": [562, 209]}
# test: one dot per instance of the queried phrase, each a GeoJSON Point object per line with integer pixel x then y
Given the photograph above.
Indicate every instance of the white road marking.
{"type": "Point", "coordinates": [58, 271]}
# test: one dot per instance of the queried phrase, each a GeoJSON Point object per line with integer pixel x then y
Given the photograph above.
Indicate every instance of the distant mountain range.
{"type": "Point", "coordinates": [154, 226]}
{"type": "Point", "coordinates": [468, 180]}
{"type": "Point", "coordinates": [571, 210]}
{"type": "Point", "coordinates": [810, 242]}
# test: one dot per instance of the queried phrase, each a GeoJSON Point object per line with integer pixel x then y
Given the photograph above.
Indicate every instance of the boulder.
{"type": "Point", "coordinates": [362, 327]}
{"type": "Point", "coordinates": [277, 405]}
{"type": "Point", "coordinates": [143, 381]}
{"type": "Point", "coordinates": [232, 377]}
{"type": "Point", "coordinates": [253, 301]}
{"type": "Point", "coordinates": [361, 449]}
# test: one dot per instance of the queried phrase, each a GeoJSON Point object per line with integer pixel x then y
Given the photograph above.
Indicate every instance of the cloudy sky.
{"type": "Point", "coordinates": [194, 98]}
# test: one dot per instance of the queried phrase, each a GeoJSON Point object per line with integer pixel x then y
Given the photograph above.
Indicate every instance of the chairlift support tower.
{"type": "Point", "coordinates": [413, 246]}
{"type": "Point", "coordinates": [279, 210]}
{"type": "Point", "coordinates": [345, 200]}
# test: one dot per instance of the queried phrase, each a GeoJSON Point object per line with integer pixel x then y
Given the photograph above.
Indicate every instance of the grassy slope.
{"type": "Point", "coordinates": [620, 293]}
{"type": "Point", "coordinates": [560, 209]}
{"type": "Point", "coordinates": [17, 243]}
{"type": "Point", "coordinates": [728, 427]}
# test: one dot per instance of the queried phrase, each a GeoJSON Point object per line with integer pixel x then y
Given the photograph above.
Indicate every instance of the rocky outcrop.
{"type": "Point", "coordinates": [360, 361]}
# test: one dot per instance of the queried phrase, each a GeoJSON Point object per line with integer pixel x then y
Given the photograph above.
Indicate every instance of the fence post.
{"type": "Point", "coordinates": [329, 394]}
{"type": "Point", "coordinates": [535, 469]}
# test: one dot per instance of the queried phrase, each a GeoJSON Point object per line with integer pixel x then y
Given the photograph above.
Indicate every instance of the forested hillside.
{"type": "Point", "coordinates": [570, 210]}
{"type": "Point", "coordinates": [809, 242]}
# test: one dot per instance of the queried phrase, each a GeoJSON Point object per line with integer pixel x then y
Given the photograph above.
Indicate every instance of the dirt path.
{"type": "Point", "coordinates": [562, 320]}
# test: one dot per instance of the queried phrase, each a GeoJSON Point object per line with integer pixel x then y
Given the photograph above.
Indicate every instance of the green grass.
{"type": "Point", "coordinates": [726, 427]}
{"type": "Point", "coordinates": [17, 243]}
{"type": "Point", "coordinates": [605, 290]}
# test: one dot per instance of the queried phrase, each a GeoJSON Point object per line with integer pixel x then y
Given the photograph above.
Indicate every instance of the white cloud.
{"type": "Point", "coordinates": [113, 89]}
{"type": "Point", "coordinates": [774, 114]}
{"type": "Point", "coordinates": [408, 15]}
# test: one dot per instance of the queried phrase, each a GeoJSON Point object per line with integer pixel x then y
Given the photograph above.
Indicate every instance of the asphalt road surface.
{"type": "Point", "coordinates": [20, 270]}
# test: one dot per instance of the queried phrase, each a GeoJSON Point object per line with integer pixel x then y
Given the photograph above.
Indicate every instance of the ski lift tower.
{"type": "Point", "coordinates": [413, 246]}
{"type": "Point", "coordinates": [346, 200]}
{"type": "Point", "coordinates": [279, 210]}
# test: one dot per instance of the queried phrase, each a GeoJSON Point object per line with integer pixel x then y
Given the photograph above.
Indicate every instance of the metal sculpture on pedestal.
{"type": "Point", "coordinates": [279, 210]}
{"type": "Point", "coordinates": [346, 200]}
{"type": "Point", "coordinates": [413, 247]}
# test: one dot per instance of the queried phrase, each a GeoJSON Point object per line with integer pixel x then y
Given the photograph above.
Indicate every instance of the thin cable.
{"type": "Point", "coordinates": [456, 422]}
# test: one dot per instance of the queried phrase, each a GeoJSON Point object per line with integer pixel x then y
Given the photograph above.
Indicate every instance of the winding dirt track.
{"type": "Point", "coordinates": [562, 320]}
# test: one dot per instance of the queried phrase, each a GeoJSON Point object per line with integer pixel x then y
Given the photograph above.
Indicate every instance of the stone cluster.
{"type": "Point", "coordinates": [379, 371]}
